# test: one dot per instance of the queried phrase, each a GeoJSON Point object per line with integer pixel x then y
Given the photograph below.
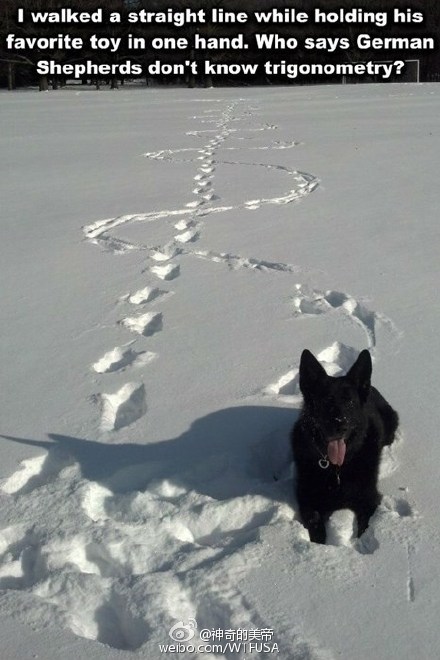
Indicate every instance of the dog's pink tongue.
{"type": "Point", "coordinates": [336, 451]}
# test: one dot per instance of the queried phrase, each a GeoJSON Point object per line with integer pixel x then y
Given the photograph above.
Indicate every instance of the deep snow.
{"type": "Point", "coordinates": [166, 256]}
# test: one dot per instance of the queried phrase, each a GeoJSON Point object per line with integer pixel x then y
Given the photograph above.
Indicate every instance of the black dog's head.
{"type": "Point", "coordinates": [334, 404]}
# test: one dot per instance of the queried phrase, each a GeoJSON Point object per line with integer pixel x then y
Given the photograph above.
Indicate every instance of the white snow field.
{"type": "Point", "coordinates": [166, 255]}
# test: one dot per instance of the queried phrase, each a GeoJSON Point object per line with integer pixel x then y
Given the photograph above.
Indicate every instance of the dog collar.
{"type": "Point", "coordinates": [324, 464]}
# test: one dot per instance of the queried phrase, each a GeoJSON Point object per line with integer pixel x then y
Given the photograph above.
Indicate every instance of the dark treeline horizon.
{"type": "Point", "coordinates": [18, 67]}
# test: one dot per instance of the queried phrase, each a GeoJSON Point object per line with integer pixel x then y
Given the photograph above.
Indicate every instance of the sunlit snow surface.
{"type": "Point", "coordinates": [166, 256]}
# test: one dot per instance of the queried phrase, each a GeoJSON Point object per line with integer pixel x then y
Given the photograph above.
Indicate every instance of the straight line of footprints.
{"type": "Point", "coordinates": [129, 403]}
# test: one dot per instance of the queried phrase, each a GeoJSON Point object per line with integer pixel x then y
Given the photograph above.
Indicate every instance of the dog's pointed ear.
{"type": "Point", "coordinates": [311, 373]}
{"type": "Point", "coordinates": [360, 374]}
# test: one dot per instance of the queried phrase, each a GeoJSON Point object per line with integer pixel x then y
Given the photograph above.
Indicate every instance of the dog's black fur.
{"type": "Point", "coordinates": [349, 411]}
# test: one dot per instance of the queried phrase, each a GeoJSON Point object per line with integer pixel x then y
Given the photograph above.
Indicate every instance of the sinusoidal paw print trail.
{"type": "Point", "coordinates": [193, 212]}
{"type": "Point", "coordinates": [164, 259]}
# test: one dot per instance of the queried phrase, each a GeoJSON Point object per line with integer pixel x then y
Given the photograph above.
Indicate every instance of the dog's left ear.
{"type": "Point", "coordinates": [360, 374]}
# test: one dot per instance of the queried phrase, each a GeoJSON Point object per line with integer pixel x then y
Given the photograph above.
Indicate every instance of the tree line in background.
{"type": "Point", "coordinates": [18, 67]}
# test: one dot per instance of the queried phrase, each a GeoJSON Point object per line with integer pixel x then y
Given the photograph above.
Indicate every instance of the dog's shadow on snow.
{"type": "Point", "coordinates": [229, 453]}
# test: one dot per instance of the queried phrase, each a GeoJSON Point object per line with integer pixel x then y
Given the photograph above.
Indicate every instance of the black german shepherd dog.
{"type": "Point", "coordinates": [337, 442]}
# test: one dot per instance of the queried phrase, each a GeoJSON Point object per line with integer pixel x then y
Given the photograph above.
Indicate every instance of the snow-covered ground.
{"type": "Point", "coordinates": [165, 257]}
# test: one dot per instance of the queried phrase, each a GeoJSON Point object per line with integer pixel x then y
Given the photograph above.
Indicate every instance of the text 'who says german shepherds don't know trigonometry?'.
{"type": "Point", "coordinates": [337, 443]}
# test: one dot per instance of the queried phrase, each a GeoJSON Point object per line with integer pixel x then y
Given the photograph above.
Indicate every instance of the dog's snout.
{"type": "Point", "coordinates": [336, 422]}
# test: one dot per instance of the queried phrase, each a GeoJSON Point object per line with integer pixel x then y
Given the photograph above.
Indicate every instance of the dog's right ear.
{"type": "Point", "coordinates": [360, 374]}
{"type": "Point", "coordinates": [311, 374]}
